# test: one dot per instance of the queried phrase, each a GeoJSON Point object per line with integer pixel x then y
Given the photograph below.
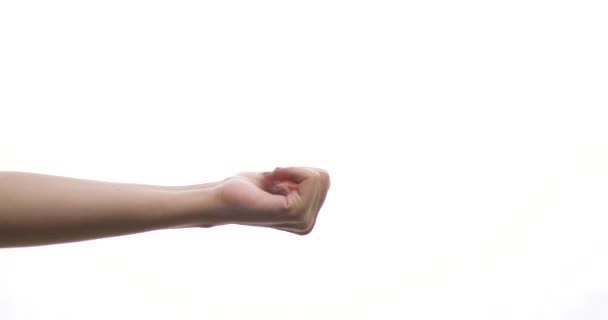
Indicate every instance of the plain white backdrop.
{"type": "Point", "coordinates": [467, 143]}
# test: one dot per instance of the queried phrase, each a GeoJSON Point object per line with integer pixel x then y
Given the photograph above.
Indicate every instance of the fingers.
{"type": "Point", "coordinates": [299, 174]}
{"type": "Point", "coordinates": [295, 174]}
{"type": "Point", "coordinates": [307, 202]}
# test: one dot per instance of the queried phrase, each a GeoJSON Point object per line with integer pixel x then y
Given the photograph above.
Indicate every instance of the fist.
{"type": "Point", "coordinates": [287, 199]}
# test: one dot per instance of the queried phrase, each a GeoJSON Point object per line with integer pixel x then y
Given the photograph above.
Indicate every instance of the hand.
{"type": "Point", "coordinates": [287, 199]}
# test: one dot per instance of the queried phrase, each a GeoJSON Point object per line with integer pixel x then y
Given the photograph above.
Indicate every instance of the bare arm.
{"type": "Point", "coordinates": [40, 209]}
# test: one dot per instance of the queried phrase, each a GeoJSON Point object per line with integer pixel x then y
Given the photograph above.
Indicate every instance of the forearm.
{"type": "Point", "coordinates": [41, 209]}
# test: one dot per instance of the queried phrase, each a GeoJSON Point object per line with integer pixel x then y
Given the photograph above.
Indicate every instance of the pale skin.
{"type": "Point", "coordinates": [38, 209]}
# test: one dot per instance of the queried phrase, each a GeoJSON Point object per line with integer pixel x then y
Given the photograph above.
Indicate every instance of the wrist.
{"type": "Point", "coordinates": [194, 207]}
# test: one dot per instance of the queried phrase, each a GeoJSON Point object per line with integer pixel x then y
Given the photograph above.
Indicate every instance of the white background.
{"type": "Point", "coordinates": [467, 143]}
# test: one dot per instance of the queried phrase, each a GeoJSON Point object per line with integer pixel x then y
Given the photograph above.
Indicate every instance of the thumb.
{"type": "Point", "coordinates": [278, 182]}
{"type": "Point", "coordinates": [283, 188]}
{"type": "Point", "coordinates": [294, 174]}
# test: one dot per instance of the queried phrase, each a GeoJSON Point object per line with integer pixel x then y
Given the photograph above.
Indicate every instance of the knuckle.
{"type": "Point", "coordinates": [306, 230]}
{"type": "Point", "coordinates": [311, 172]}
{"type": "Point", "coordinates": [295, 215]}
{"type": "Point", "coordinates": [325, 177]}
{"type": "Point", "coordinates": [302, 226]}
